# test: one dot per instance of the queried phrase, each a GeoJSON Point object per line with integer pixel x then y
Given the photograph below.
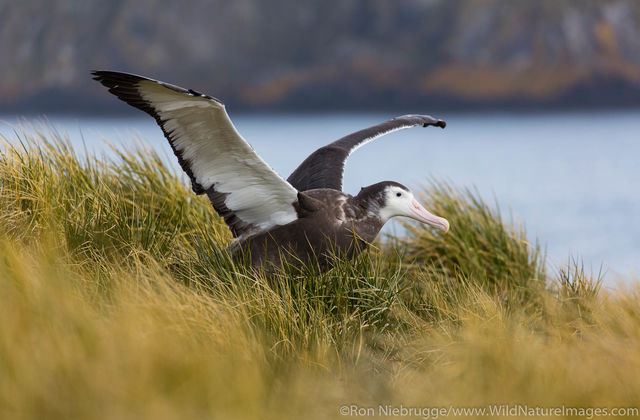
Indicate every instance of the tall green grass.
{"type": "Point", "coordinates": [113, 305]}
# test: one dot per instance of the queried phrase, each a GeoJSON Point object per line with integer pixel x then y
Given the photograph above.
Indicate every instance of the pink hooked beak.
{"type": "Point", "coordinates": [419, 213]}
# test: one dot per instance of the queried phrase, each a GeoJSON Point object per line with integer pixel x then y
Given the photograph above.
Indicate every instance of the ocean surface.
{"type": "Point", "coordinates": [572, 179]}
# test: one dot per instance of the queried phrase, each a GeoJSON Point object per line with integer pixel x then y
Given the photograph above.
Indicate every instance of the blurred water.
{"type": "Point", "coordinates": [573, 179]}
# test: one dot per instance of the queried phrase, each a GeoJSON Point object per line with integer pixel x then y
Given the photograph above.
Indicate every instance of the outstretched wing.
{"type": "Point", "coordinates": [243, 189]}
{"type": "Point", "coordinates": [324, 168]}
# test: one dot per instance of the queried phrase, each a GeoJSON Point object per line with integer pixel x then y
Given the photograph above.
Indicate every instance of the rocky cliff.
{"type": "Point", "coordinates": [326, 53]}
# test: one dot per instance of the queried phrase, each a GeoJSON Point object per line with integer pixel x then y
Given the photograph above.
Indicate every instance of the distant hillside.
{"type": "Point", "coordinates": [309, 54]}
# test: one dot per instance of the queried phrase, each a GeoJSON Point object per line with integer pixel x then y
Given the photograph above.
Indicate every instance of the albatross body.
{"type": "Point", "coordinates": [305, 218]}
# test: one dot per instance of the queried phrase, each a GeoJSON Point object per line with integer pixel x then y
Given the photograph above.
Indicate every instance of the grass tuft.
{"type": "Point", "coordinates": [480, 245]}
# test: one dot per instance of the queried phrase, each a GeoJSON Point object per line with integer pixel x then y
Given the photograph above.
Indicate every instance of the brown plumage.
{"type": "Point", "coordinates": [304, 219]}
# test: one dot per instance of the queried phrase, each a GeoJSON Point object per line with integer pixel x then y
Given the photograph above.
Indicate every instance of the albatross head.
{"type": "Point", "coordinates": [392, 199]}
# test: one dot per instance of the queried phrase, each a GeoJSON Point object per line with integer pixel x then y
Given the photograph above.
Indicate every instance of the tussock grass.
{"type": "Point", "coordinates": [112, 305]}
{"type": "Point", "coordinates": [480, 246]}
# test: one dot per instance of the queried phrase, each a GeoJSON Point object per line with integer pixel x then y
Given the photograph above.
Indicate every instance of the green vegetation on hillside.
{"type": "Point", "coordinates": [111, 306]}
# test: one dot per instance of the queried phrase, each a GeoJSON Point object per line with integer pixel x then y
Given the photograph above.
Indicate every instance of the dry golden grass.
{"type": "Point", "coordinates": [111, 306]}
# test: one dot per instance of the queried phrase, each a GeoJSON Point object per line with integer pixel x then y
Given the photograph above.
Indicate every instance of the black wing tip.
{"type": "Point", "coordinates": [428, 120]}
{"type": "Point", "coordinates": [125, 87]}
{"type": "Point", "coordinates": [438, 123]}
{"type": "Point", "coordinates": [423, 120]}
{"type": "Point", "coordinates": [113, 73]}
{"type": "Point", "coordinates": [111, 78]}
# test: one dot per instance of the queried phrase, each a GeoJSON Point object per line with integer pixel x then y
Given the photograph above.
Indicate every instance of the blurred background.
{"type": "Point", "coordinates": [542, 97]}
{"type": "Point", "coordinates": [327, 55]}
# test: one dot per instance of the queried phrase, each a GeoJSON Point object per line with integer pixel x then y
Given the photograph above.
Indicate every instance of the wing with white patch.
{"type": "Point", "coordinates": [243, 189]}
{"type": "Point", "coordinates": [324, 168]}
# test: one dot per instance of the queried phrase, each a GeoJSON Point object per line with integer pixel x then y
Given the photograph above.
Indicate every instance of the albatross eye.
{"type": "Point", "coordinates": [398, 194]}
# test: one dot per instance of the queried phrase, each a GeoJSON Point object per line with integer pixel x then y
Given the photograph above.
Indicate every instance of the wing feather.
{"type": "Point", "coordinates": [324, 168]}
{"type": "Point", "coordinates": [242, 188]}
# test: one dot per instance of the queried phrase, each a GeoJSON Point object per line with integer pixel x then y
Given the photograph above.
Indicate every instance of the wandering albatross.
{"type": "Point", "coordinates": [305, 218]}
